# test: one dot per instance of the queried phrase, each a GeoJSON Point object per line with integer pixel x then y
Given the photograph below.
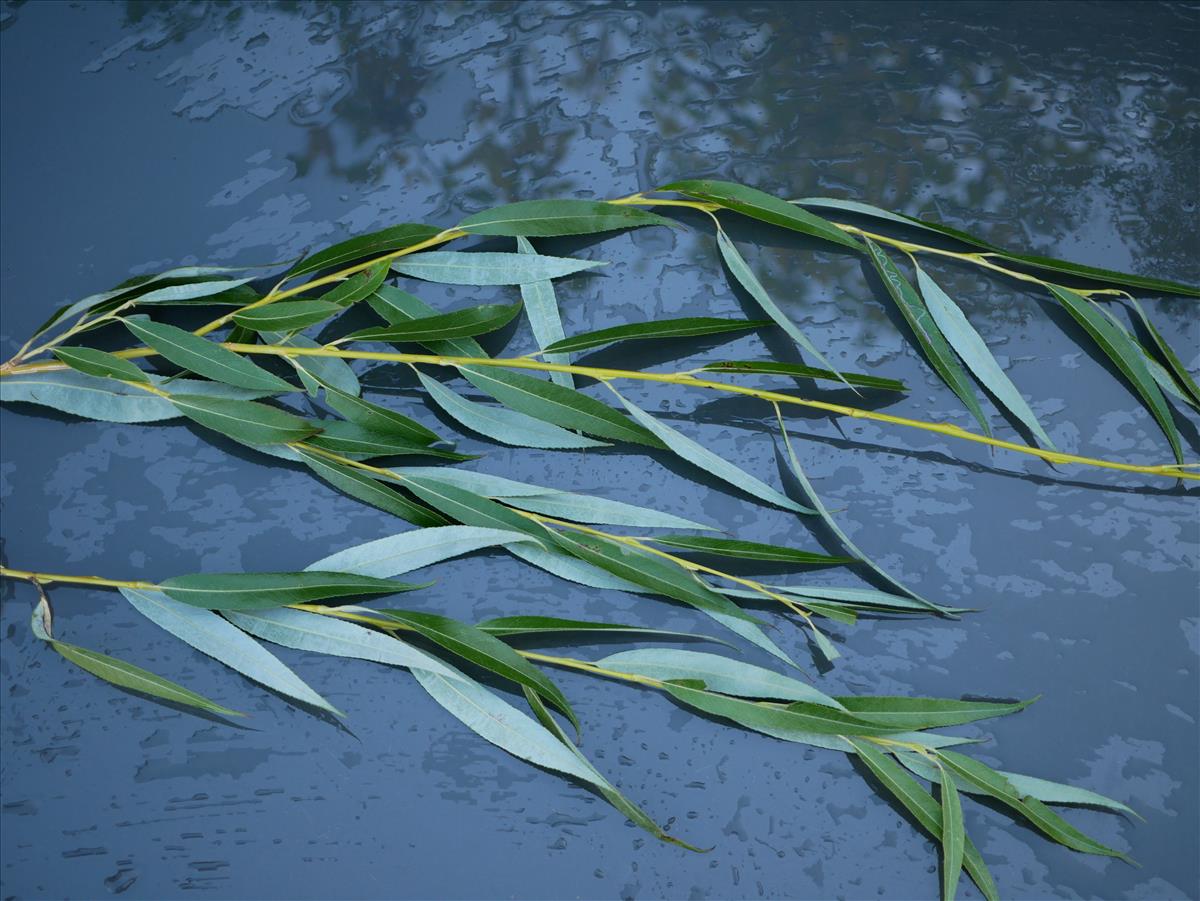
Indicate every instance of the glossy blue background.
{"type": "Point", "coordinates": [138, 136]}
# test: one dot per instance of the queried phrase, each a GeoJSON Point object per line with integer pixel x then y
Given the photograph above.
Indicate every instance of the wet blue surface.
{"type": "Point", "coordinates": [139, 136]}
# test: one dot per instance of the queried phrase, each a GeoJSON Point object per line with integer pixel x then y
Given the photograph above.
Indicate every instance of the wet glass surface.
{"type": "Point", "coordinates": [142, 135]}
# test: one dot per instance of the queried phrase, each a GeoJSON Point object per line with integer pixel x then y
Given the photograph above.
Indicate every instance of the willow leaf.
{"type": "Point", "coordinates": [1120, 347]}
{"type": "Point", "coordinates": [1184, 378]}
{"type": "Point", "coordinates": [328, 372]}
{"type": "Point", "coordinates": [795, 370]}
{"type": "Point", "coordinates": [954, 837]}
{"type": "Point", "coordinates": [600, 511]}
{"type": "Point", "coordinates": [118, 672]}
{"type": "Point", "coordinates": [541, 307]}
{"type": "Point", "coordinates": [449, 267]}
{"type": "Point", "coordinates": [764, 207]}
{"type": "Point", "coordinates": [357, 287]}
{"type": "Point", "coordinates": [930, 339]}
{"type": "Point", "coordinates": [663, 328]}
{"type": "Point", "coordinates": [478, 482]}
{"type": "Point", "coordinates": [720, 674]}
{"type": "Point", "coordinates": [992, 783]}
{"type": "Point", "coordinates": [388, 240]}
{"type": "Point", "coordinates": [826, 648]}
{"type": "Point", "coordinates": [243, 420]}
{"type": "Point", "coordinates": [100, 364]}
{"type": "Point", "coordinates": [460, 324]}
{"type": "Point", "coordinates": [715, 466]}
{"type": "Point", "coordinates": [319, 634]}
{"type": "Point", "coordinates": [352, 438]}
{"type": "Point", "coordinates": [107, 399]}
{"type": "Point", "coordinates": [749, 550]}
{"type": "Point", "coordinates": [286, 315]}
{"type": "Point", "coordinates": [406, 551]}
{"type": "Point", "coordinates": [921, 804]}
{"type": "Point", "coordinates": [798, 717]}
{"type": "Point", "coordinates": [748, 280]}
{"type": "Point", "coordinates": [506, 426]}
{"type": "Point", "coordinates": [561, 564]}
{"type": "Point", "coordinates": [927, 713]}
{"type": "Point", "coordinates": [363, 487]}
{"type": "Point", "coordinates": [555, 404]}
{"type": "Point", "coordinates": [203, 357]}
{"type": "Point", "coordinates": [398, 307]}
{"type": "Point", "coordinates": [865, 599]}
{"type": "Point", "coordinates": [378, 419]}
{"type": "Point", "coordinates": [837, 530]}
{"type": "Point", "coordinates": [484, 650]}
{"type": "Point", "coordinates": [513, 626]}
{"type": "Point", "coordinates": [210, 634]}
{"type": "Point", "coordinates": [471, 509]}
{"type": "Point", "coordinates": [262, 591]}
{"type": "Point", "coordinates": [547, 218]}
{"type": "Point", "coordinates": [971, 348]}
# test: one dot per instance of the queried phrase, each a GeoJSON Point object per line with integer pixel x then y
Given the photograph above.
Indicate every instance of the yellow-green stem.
{"type": "Point", "coordinates": [50, 578]}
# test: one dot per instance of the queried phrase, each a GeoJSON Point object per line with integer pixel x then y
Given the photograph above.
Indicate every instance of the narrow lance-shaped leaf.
{"type": "Point", "coordinates": [921, 804]}
{"type": "Point", "coordinates": [1175, 366]}
{"type": "Point", "coordinates": [100, 364]}
{"type": "Point", "coordinates": [261, 591]}
{"type": "Point", "coordinates": [764, 207]}
{"type": "Point", "coordinates": [826, 648]}
{"type": "Point", "coordinates": [378, 418]}
{"type": "Point", "coordinates": [459, 324]}
{"type": "Point", "coordinates": [833, 526]}
{"type": "Point", "coordinates": [120, 673]}
{"type": "Point", "coordinates": [696, 326]}
{"type": "Point", "coordinates": [500, 424]}
{"type": "Point", "coordinates": [521, 626]}
{"type": "Point", "coordinates": [748, 280]}
{"type": "Point", "coordinates": [749, 550]}
{"type": "Point", "coordinates": [357, 287]}
{"type": "Point", "coordinates": [449, 267]}
{"type": "Point", "coordinates": [954, 837]}
{"type": "Point", "coordinates": [541, 308]}
{"type": "Point", "coordinates": [350, 438]}
{"type": "Point", "coordinates": [1120, 347]}
{"type": "Point", "coordinates": [286, 315]}
{"type": "Point", "coordinates": [363, 487]}
{"type": "Point", "coordinates": [388, 240]}
{"type": "Point", "coordinates": [395, 555]}
{"type": "Point", "coordinates": [971, 348]}
{"type": "Point", "coordinates": [547, 218]}
{"type": "Point", "coordinates": [930, 339]}
{"type": "Point", "coordinates": [712, 464]}
{"type": "Point", "coordinates": [210, 634]}
{"type": "Point", "coordinates": [243, 420]}
{"type": "Point", "coordinates": [927, 713]}
{"type": "Point", "coordinates": [316, 372]}
{"type": "Point", "coordinates": [203, 357]}
{"type": "Point", "coordinates": [484, 650]}
{"type": "Point", "coordinates": [471, 509]}
{"type": "Point", "coordinates": [794, 370]}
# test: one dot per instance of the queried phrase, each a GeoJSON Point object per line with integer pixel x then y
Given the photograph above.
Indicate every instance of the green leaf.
{"type": "Point", "coordinates": [107, 399]}
{"type": "Point", "coordinates": [329, 372]}
{"type": "Point", "coordinates": [203, 357]}
{"type": "Point", "coordinates": [954, 837]}
{"type": "Point", "coordinates": [933, 344]}
{"type": "Point", "coordinates": [286, 315]}
{"type": "Point", "coordinates": [837, 530]}
{"type": "Point", "coordinates": [806, 372]}
{"type": "Point", "coordinates": [209, 634]}
{"type": "Point", "coordinates": [506, 426]}
{"type": "Point", "coordinates": [748, 280]}
{"type": "Point", "coordinates": [100, 364]}
{"type": "Point", "coordinates": [510, 626]}
{"type": "Point", "coordinates": [1120, 347]}
{"type": "Point", "coordinates": [363, 487]}
{"type": "Point", "coordinates": [388, 240]}
{"type": "Point", "coordinates": [449, 267]}
{"type": "Point", "coordinates": [721, 674]}
{"type": "Point", "coordinates": [600, 511]}
{"type": "Point", "coordinates": [825, 647]}
{"type": "Point", "coordinates": [970, 347]}
{"type": "Point", "coordinates": [1093, 273]}
{"type": "Point", "coordinates": [557, 405]}
{"type": "Point", "coordinates": [352, 438]}
{"type": "Point", "coordinates": [547, 218]}
{"type": "Point", "coordinates": [460, 324]}
{"type": "Point", "coordinates": [471, 509]}
{"type": "Point", "coordinates": [357, 287]}
{"type": "Point", "coordinates": [865, 599]}
{"type": "Point", "coordinates": [662, 328]}
{"type": "Point", "coordinates": [406, 551]}
{"type": "Point", "coordinates": [320, 634]}
{"type": "Point", "coordinates": [992, 783]}
{"type": "Point", "coordinates": [487, 651]}
{"type": "Point", "coordinates": [559, 563]}
{"type": "Point", "coordinates": [243, 420]}
{"type": "Point", "coordinates": [541, 307]}
{"type": "Point", "coordinates": [762, 206]}
{"type": "Point", "coordinates": [260, 591]}
{"type": "Point", "coordinates": [749, 550]}
{"type": "Point", "coordinates": [926, 713]}
{"type": "Point", "coordinates": [399, 307]}
{"type": "Point", "coordinates": [1174, 364]}
{"type": "Point", "coordinates": [120, 673]}
{"type": "Point", "coordinates": [709, 462]}
{"type": "Point", "coordinates": [378, 419]}
{"type": "Point", "coordinates": [921, 804]}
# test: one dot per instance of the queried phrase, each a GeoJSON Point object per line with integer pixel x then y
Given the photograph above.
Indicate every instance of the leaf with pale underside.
{"type": "Point", "coordinates": [316, 372]}
{"type": "Point", "coordinates": [262, 591]}
{"type": "Point", "coordinates": [471, 509]}
{"type": "Point", "coordinates": [451, 267]}
{"type": "Point", "coordinates": [395, 555]}
{"type": "Point", "coordinates": [541, 308]}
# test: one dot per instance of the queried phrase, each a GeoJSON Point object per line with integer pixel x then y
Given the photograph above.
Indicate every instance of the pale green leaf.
{"type": "Point", "coordinates": [541, 307]}
{"type": "Point", "coordinates": [451, 267]}
{"type": "Point", "coordinates": [407, 551]}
